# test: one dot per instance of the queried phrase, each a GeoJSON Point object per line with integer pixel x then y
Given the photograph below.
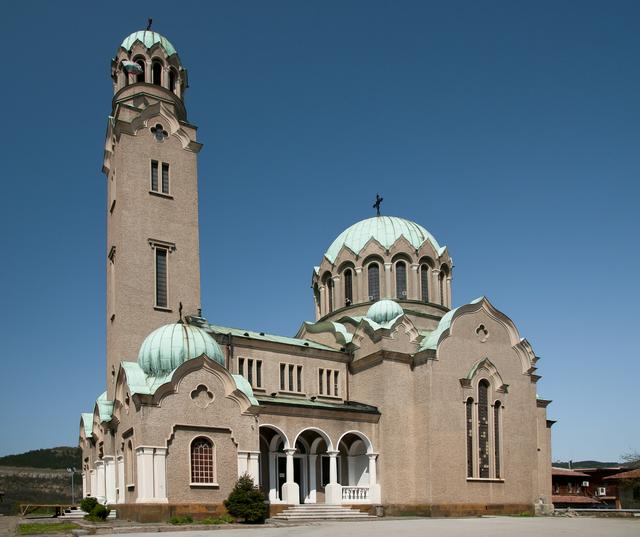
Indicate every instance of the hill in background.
{"type": "Point", "coordinates": [39, 476]}
{"type": "Point", "coordinates": [54, 458]}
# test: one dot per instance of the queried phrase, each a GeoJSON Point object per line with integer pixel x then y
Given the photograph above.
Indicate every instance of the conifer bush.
{"type": "Point", "coordinates": [246, 502]}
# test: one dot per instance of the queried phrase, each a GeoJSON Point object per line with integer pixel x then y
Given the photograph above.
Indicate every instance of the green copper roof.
{"type": "Point", "coordinates": [385, 229]}
{"type": "Point", "coordinates": [244, 386]}
{"type": "Point", "coordinates": [105, 407]}
{"type": "Point", "coordinates": [301, 402]}
{"type": "Point", "coordinates": [87, 422]}
{"type": "Point", "coordinates": [431, 341]}
{"type": "Point", "coordinates": [173, 344]}
{"type": "Point", "coordinates": [384, 310]}
{"type": "Point", "coordinates": [148, 39]}
{"type": "Point", "coordinates": [237, 332]}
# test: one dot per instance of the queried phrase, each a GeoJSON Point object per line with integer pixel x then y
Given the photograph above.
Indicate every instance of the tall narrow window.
{"type": "Point", "coordinates": [157, 73]}
{"type": "Point", "coordinates": [161, 278]}
{"type": "Point", "coordinates": [250, 371]}
{"type": "Point", "coordinates": [282, 376]}
{"type": "Point", "coordinates": [330, 293]}
{"type": "Point", "coordinates": [241, 366]}
{"type": "Point", "coordinates": [335, 383]}
{"type": "Point", "coordinates": [172, 80]}
{"type": "Point", "coordinates": [424, 282]}
{"type": "Point", "coordinates": [129, 463]}
{"type": "Point", "coordinates": [441, 282]}
{"type": "Point", "coordinates": [496, 434]}
{"type": "Point", "coordinates": [291, 387]}
{"type": "Point", "coordinates": [483, 428]}
{"type": "Point", "coordinates": [165, 178]}
{"type": "Point", "coordinates": [348, 287]}
{"type": "Point", "coordinates": [299, 378]}
{"type": "Point", "coordinates": [373, 273]}
{"type": "Point", "coordinates": [154, 175]}
{"type": "Point", "coordinates": [202, 461]}
{"type": "Point", "coordinates": [320, 383]}
{"type": "Point", "coordinates": [401, 279]}
{"type": "Point", "coordinates": [258, 373]}
{"type": "Point", "coordinates": [469, 416]}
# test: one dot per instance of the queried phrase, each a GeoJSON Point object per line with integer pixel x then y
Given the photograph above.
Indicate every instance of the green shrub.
{"type": "Point", "coordinates": [246, 502]}
{"type": "Point", "coordinates": [87, 504]}
{"type": "Point", "coordinates": [99, 513]}
{"type": "Point", "coordinates": [177, 520]}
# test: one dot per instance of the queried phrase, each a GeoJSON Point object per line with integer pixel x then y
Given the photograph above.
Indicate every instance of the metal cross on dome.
{"type": "Point", "coordinates": [376, 205]}
{"type": "Point", "coordinates": [159, 133]}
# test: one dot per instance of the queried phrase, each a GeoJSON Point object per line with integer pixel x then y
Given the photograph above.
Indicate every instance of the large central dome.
{"type": "Point", "coordinates": [385, 229]}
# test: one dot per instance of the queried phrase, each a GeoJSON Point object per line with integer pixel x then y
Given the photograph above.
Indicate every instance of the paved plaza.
{"type": "Point", "coordinates": [427, 527]}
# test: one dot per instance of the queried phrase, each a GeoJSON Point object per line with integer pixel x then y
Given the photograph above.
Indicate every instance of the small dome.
{"type": "Point", "coordinates": [167, 347]}
{"type": "Point", "coordinates": [148, 39]}
{"type": "Point", "coordinates": [385, 229]}
{"type": "Point", "coordinates": [384, 311]}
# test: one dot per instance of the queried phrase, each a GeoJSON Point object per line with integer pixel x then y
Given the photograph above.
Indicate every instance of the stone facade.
{"type": "Point", "coordinates": [389, 398]}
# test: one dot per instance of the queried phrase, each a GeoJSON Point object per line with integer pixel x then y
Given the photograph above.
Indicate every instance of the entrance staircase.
{"type": "Point", "coordinates": [320, 511]}
{"type": "Point", "coordinates": [76, 513]}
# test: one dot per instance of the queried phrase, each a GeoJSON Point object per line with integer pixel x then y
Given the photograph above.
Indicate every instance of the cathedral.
{"type": "Point", "coordinates": [391, 401]}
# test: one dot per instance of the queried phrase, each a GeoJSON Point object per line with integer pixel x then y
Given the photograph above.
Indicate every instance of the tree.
{"type": "Point", "coordinates": [246, 501]}
{"type": "Point", "coordinates": [631, 459]}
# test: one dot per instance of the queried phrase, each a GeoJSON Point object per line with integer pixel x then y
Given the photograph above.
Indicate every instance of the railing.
{"type": "Point", "coordinates": [355, 494]}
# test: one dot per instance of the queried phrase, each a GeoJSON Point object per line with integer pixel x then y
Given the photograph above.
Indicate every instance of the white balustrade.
{"type": "Point", "coordinates": [355, 494]}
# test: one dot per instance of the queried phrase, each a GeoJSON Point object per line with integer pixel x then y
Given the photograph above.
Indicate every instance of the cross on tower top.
{"type": "Point", "coordinates": [376, 205]}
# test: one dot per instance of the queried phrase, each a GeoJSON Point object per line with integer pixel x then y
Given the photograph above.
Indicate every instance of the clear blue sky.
{"type": "Point", "coordinates": [510, 130]}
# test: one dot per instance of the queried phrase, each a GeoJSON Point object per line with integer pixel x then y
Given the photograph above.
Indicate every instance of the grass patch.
{"type": "Point", "coordinates": [179, 520]}
{"type": "Point", "coordinates": [224, 519]}
{"type": "Point", "coordinates": [44, 527]}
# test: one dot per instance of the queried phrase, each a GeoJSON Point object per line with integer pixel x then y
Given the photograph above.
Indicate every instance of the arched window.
{"type": "Point", "coordinates": [424, 282]}
{"type": "Point", "coordinates": [483, 428]}
{"type": "Point", "coordinates": [330, 294]}
{"type": "Point", "coordinates": [173, 77]}
{"type": "Point", "coordinates": [140, 76]}
{"type": "Point", "coordinates": [373, 273]}
{"type": "Point", "coordinates": [202, 461]}
{"type": "Point", "coordinates": [496, 436]}
{"type": "Point", "coordinates": [401, 279]}
{"type": "Point", "coordinates": [316, 296]}
{"type": "Point", "coordinates": [348, 287]}
{"type": "Point", "coordinates": [469, 424]}
{"type": "Point", "coordinates": [157, 73]}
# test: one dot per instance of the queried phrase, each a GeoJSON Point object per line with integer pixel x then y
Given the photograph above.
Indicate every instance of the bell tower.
{"type": "Point", "coordinates": [150, 163]}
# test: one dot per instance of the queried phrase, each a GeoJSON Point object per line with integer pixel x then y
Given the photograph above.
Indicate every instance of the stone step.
{"type": "Point", "coordinates": [321, 512]}
{"type": "Point", "coordinates": [79, 513]}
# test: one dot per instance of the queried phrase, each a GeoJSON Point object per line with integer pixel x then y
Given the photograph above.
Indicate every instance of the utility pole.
{"type": "Point", "coordinates": [72, 471]}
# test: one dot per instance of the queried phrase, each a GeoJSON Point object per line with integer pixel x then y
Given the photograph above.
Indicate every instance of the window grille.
{"type": "Point", "coordinates": [483, 427]}
{"type": "Point", "coordinates": [496, 442]}
{"type": "Point", "coordinates": [165, 178]}
{"type": "Point", "coordinates": [202, 461]}
{"type": "Point", "coordinates": [161, 277]}
{"type": "Point", "coordinates": [469, 437]}
{"type": "Point", "coordinates": [401, 279]}
{"type": "Point", "coordinates": [348, 287]}
{"type": "Point", "coordinates": [154, 175]}
{"type": "Point", "coordinates": [424, 282]}
{"type": "Point", "coordinates": [374, 281]}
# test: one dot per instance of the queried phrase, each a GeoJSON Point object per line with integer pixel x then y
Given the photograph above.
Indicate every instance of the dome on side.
{"type": "Point", "coordinates": [171, 345]}
{"type": "Point", "coordinates": [384, 311]}
{"type": "Point", "coordinates": [148, 39]}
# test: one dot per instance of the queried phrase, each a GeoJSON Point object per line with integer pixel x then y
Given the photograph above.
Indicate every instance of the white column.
{"type": "Point", "coordinates": [333, 490]}
{"type": "Point", "coordinates": [374, 488]}
{"type": "Point", "coordinates": [110, 479]}
{"type": "Point", "coordinates": [160, 475]}
{"type": "Point", "coordinates": [122, 486]}
{"type": "Point", "coordinates": [100, 482]}
{"type": "Point", "coordinates": [144, 465]}
{"type": "Point", "coordinates": [387, 281]}
{"type": "Point", "coordinates": [358, 290]}
{"type": "Point", "coordinates": [242, 463]}
{"type": "Point", "coordinates": [414, 283]}
{"type": "Point", "coordinates": [253, 466]}
{"type": "Point", "coordinates": [93, 481]}
{"type": "Point", "coordinates": [290, 490]}
{"type": "Point", "coordinates": [273, 477]}
{"type": "Point", "coordinates": [323, 301]}
{"type": "Point", "coordinates": [84, 484]}
{"type": "Point", "coordinates": [449, 303]}
{"type": "Point", "coordinates": [312, 478]}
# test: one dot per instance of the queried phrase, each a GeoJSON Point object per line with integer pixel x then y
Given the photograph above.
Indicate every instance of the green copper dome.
{"type": "Point", "coordinates": [148, 39]}
{"type": "Point", "coordinates": [384, 311]}
{"type": "Point", "coordinates": [167, 347]}
{"type": "Point", "coordinates": [385, 229]}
